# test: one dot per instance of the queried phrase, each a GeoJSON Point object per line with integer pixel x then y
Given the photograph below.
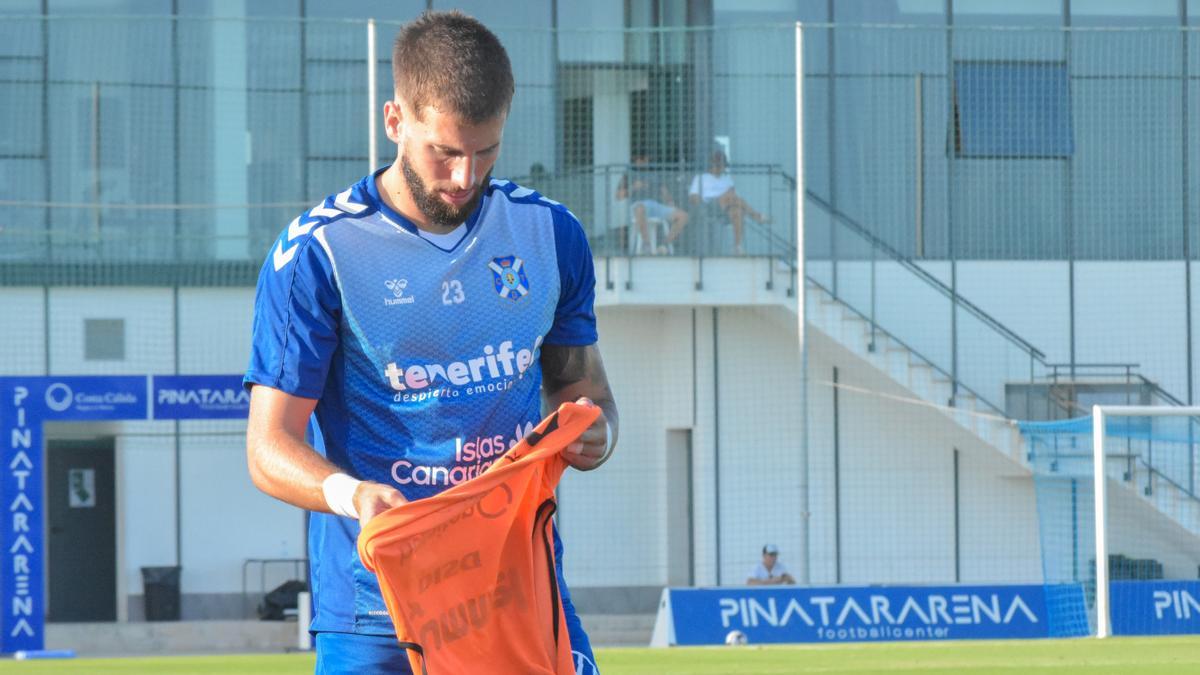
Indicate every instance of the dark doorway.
{"type": "Point", "coordinates": [681, 541]}
{"type": "Point", "coordinates": [663, 117]}
{"type": "Point", "coordinates": [608, 112]}
{"type": "Point", "coordinates": [578, 133]}
{"type": "Point", "coordinates": [82, 534]}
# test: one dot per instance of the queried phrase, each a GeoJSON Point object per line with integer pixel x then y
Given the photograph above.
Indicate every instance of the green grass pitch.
{"type": "Point", "coordinates": [1015, 657]}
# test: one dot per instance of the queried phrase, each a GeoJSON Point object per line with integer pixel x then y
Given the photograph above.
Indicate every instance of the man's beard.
{"type": "Point", "coordinates": [431, 206]}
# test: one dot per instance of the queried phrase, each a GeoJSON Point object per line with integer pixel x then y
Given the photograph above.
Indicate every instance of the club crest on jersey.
{"type": "Point", "coordinates": [509, 274]}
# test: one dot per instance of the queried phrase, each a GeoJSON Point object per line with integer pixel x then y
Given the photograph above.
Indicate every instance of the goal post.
{"type": "Point", "coordinates": [1100, 417]}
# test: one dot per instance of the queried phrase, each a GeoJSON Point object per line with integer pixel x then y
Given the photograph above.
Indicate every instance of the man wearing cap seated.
{"type": "Point", "coordinates": [770, 572]}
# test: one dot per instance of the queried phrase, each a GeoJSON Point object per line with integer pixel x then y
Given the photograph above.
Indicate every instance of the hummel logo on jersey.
{"type": "Point", "coordinates": [397, 286]}
{"type": "Point", "coordinates": [509, 275]}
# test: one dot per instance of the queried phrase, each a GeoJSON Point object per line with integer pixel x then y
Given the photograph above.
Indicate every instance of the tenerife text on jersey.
{"type": "Point", "coordinates": [487, 373]}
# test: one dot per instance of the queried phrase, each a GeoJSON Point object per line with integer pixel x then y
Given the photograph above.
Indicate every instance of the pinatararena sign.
{"type": "Point", "coordinates": [865, 614]}
{"type": "Point", "coordinates": [26, 403]}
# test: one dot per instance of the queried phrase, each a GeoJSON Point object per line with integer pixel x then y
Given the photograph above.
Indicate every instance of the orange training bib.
{"type": "Point", "coordinates": [468, 575]}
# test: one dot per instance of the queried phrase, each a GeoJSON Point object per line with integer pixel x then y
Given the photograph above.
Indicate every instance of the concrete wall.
{"type": "Point", "coordinates": [893, 497]}
{"type": "Point", "coordinates": [23, 331]}
{"type": "Point", "coordinates": [896, 465]}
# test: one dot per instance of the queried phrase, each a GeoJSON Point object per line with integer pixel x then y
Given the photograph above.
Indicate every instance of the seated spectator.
{"type": "Point", "coordinates": [538, 176]}
{"type": "Point", "coordinates": [715, 187]}
{"type": "Point", "coordinates": [770, 572]}
{"type": "Point", "coordinates": [649, 198]}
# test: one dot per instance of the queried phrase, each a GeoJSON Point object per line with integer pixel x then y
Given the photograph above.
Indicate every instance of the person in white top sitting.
{"type": "Point", "coordinates": [716, 187]}
{"type": "Point", "coordinates": [770, 572]}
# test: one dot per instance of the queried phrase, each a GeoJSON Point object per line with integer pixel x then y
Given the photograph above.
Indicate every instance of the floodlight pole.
{"type": "Point", "coordinates": [372, 99]}
{"type": "Point", "coordinates": [1100, 498]}
{"type": "Point", "coordinates": [805, 520]}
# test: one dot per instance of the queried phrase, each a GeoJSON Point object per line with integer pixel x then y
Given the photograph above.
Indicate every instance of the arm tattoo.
{"type": "Point", "coordinates": [571, 372]}
{"type": "Point", "coordinates": [565, 365]}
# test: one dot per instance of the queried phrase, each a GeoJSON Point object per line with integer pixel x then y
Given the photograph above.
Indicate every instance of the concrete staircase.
{"type": "Point", "coordinates": [912, 374]}
{"type": "Point", "coordinates": [1155, 492]}
{"type": "Point", "coordinates": [1169, 500]}
{"type": "Point", "coordinates": [915, 376]}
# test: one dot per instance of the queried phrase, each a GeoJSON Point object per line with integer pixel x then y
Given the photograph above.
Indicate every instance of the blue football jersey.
{"type": "Point", "coordinates": [424, 360]}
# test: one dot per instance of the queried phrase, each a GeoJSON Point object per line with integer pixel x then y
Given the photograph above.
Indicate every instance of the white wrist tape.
{"type": "Point", "coordinates": [339, 494]}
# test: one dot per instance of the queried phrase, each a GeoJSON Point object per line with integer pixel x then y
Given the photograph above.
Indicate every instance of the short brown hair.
{"type": "Point", "coordinates": [454, 63]}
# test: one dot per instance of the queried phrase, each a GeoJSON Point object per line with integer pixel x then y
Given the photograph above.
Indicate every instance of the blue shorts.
{"type": "Point", "coordinates": [347, 653]}
{"type": "Point", "coordinates": [654, 209]}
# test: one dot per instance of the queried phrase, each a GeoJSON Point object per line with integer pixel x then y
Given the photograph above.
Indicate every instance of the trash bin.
{"type": "Point", "coordinates": [276, 604]}
{"type": "Point", "coordinates": [161, 586]}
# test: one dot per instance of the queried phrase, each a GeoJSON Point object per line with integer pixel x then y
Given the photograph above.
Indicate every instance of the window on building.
{"type": "Point", "coordinates": [104, 339]}
{"type": "Point", "coordinates": [1006, 109]}
{"type": "Point", "coordinates": [577, 132]}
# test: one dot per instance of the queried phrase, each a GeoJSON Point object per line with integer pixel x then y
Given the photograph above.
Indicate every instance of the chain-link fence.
{"type": "Point", "coordinates": [998, 224]}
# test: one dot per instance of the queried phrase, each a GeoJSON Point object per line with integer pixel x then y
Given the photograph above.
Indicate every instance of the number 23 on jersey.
{"type": "Point", "coordinates": [452, 292]}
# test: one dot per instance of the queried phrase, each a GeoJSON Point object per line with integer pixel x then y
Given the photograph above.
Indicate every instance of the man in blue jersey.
{"type": "Point", "coordinates": [407, 329]}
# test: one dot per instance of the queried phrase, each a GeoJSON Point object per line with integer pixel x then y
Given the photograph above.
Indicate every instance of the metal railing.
{"type": "Point", "coordinates": [299, 570]}
{"type": "Point", "coordinates": [591, 192]}
{"type": "Point", "coordinates": [1066, 393]}
{"type": "Point", "coordinates": [1063, 383]}
{"type": "Point", "coordinates": [859, 269]}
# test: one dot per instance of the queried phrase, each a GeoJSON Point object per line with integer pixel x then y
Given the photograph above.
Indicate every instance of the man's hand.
{"type": "Point", "coordinates": [589, 451]}
{"type": "Point", "coordinates": [372, 499]}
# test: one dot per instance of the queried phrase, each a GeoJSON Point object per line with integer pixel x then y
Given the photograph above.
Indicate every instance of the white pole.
{"type": "Point", "coordinates": [919, 132]}
{"type": "Point", "coordinates": [1103, 623]}
{"type": "Point", "coordinates": [804, 477]}
{"type": "Point", "coordinates": [372, 99]}
{"type": "Point", "coordinates": [800, 178]}
{"type": "Point", "coordinates": [303, 621]}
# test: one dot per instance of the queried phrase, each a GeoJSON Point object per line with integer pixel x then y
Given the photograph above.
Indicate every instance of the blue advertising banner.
{"type": "Point", "coordinates": [22, 624]}
{"type": "Point", "coordinates": [1155, 607]}
{"type": "Point", "coordinates": [841, 614]}
{"type": "Point", "coordinates": [200, 397]}
{"type": "Point", "coordinates": [25, 403]}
